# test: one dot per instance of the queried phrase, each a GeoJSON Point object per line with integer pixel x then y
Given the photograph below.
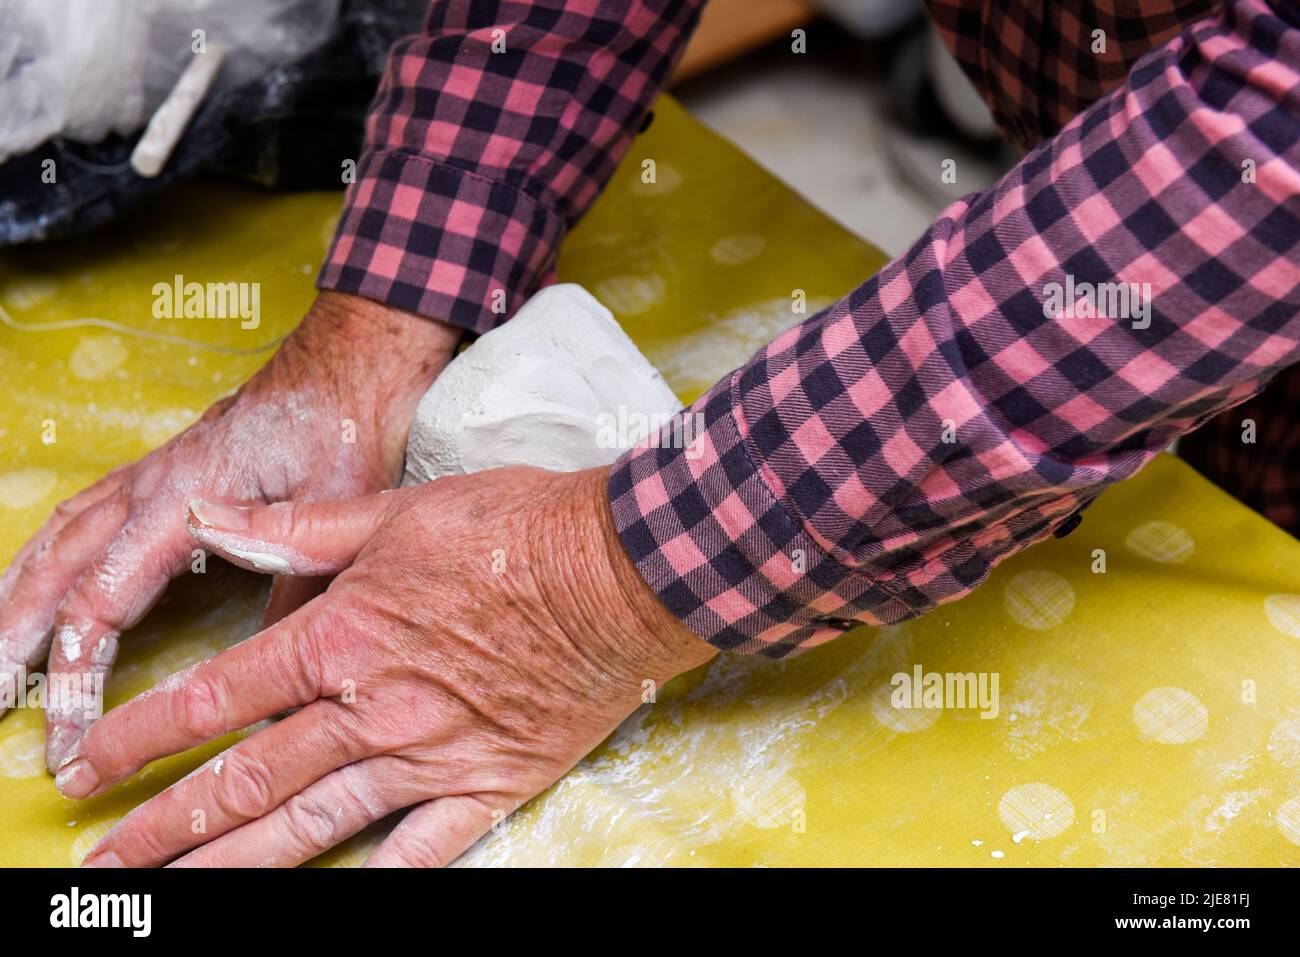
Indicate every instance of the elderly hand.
{"type": "Point", "coordinates": [106, 555]}
{"type": "Point", "coordinates": [484, 634]}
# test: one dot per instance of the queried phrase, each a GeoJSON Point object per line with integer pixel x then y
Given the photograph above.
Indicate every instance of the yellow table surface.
{"type": "Point", "coordinates": [1148, 714]}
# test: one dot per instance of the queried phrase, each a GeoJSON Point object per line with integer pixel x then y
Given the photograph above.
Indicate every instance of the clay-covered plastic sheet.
{"type": "Point", "coordinates": [1148, 666]}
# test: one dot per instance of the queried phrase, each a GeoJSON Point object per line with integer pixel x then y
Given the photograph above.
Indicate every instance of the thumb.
{"type": "Point", "coordinates": [290, 538]}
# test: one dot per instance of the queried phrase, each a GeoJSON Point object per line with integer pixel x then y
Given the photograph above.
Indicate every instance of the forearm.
{"type": "Point", "coordinates": [883, 456]}
{"type": "Point", "coordinates": [492, 133]}
{"type": "Point", "coordinates": [1039, 63]}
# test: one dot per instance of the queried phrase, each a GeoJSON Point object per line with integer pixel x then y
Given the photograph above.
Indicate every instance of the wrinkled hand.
{"type": "Point", "coordinates": [106, 555]}
{"type": "Point", "coordinates": [485, 633]}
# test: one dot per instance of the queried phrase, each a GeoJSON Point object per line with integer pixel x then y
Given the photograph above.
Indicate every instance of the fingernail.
{"type": "Point", "coordinates": [59, 741]}
{"type": "Point", "coordinates": [106, 859]}
{"type": "Point", "coordinates": [229, 517]}
{"type": "Point", "coordinates": [76, 779]}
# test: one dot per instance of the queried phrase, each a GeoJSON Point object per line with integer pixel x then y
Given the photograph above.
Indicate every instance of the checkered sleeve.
{"type": "Point", "coordinates": [1043, 339]}
{"type": "Point", "coordinates": [1038, 63]}
{"type": "Point", "coordinates": [490, 135]}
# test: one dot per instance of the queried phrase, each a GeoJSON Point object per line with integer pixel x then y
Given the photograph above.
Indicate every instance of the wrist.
{"type": "Point", "coordinates": [629, 629]}
{"type": "Point", "coordinates": [376, 359]}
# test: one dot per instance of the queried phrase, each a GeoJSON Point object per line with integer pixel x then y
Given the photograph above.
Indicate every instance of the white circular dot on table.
{"type": "Point", "coordinates": [1284, 742]}
{"type": "Point", "coordinates": [1038, 599]}
{"type": "Point", "coordinates": [25, 487]}
{"type": "Point", "coordinates": [1170, 716]}
{"type": "Point", "coordinates": [1283, 613]}
{"type": "Point", "coordinates": [1036, 810]}
{"type": "Point", "coordinates": [903, 720]}
{"type": "Point", "coordinates": [157, 428]}
{"type": "Point", "coordinates": [667, 179]}
{"type": "Point", "coordinates": [1162, 542]}
{"type": "Point", "coordinates": [96, 357]}
{"type": "Point", "coordinates": [738, 249]}
{"type": "Point", "coordinates": [22, 754]}
{"type": "Point", "coordinates": [630, 295]}
{"type": "Point", "coordinates": [1288, 820]}
{"type": "Point", "coordinates": [28, 293]}
{"type": "Point", "coordinates": [88, 837]}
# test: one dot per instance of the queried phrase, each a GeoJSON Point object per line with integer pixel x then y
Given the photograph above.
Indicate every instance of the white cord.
{"type": "Point", "coordinates": [92, 322]}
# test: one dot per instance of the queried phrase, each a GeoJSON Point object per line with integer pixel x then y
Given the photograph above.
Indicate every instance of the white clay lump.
{"type": "Point", "coordinates": [560, 386]}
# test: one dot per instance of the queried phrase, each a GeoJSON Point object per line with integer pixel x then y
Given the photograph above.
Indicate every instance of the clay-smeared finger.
{"type": "Point", "coordinates": [291, 538]}
{"type": "Point", "coordinates": [123, 582]}
{"type": "Point", "coordinates": [271, 672]}
{"type": "Point", "coordinates": [46, 577]}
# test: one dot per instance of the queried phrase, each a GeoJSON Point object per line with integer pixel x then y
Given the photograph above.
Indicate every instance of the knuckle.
{"type": "Point", "coordinates": [361, 792]}
{"type": "Point", "coordinates": [418, 850]}
{"type": "Point", "coordinates": [311, 823]}
{"type": "Point", "coordinates": [197, 709]}
{"type": "Point", "coordinates": [136, 843]}
{"type": "Point", "coordinates": [67, 509]}
{"type": "Point", "coordinates": [278, 520]}
{"type": "Point", "coordinates": [41, 560]}
{"type": "Point", "coordinates": [246, 791]}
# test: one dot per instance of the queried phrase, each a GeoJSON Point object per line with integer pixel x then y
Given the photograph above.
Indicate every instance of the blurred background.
{"type": "Point", "coordinates": [860, 123]}
{"type": "Point", "coordinates": [854, 103]}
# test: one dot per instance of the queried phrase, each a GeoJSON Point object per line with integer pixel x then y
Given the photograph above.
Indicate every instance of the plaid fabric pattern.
{"type": "Point", "coordinates": [1039, 63]}
{"type": "Point", "coordinates": [492, 132]}
{"type": "Point", "coordinates": [883, 456]}
{"type": "Point", "coordinates": [1259, 465]}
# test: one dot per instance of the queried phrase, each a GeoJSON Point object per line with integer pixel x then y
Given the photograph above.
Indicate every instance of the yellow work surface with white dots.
{"type": "Point", "coordinates": [1147, 666]}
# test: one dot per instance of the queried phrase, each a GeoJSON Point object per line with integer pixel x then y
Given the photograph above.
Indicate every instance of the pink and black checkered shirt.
{"type": "Point", "coordinates": [882, 456]}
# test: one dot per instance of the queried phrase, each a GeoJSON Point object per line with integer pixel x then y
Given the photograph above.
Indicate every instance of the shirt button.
{"type": "Point", "coordinates": [839, 624]}
{"type": "Point", "coordinates": [1069, 525]}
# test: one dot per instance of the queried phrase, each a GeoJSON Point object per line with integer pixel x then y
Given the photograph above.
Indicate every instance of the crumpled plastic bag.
{"type": "Point", "coordinates": [287, 128]}
{"type": "Point", "coordinates": [87, 68]}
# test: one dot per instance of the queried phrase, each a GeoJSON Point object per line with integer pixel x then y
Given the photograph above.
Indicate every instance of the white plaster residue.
{"type": "Point", "coordinates": [70, 639]}
{"type": "Point", "coordinates": [648, 775]}
{"type": "Point", "coordinates": [261, 561]}
{"type": "Point", "coordinates": [1045, 707]}
{"type": "Point", "coordinates": [1036, 810]}
{"type": "Point", "coordinates": [1284, 741]}
{"type": "Point", "coordinates": [1233, 803]}
{"type": "Point", "coordinates": [268, 557]}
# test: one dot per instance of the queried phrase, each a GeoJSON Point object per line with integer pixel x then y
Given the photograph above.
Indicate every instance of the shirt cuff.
{"type": "Point", "coordinates": [720, 550]}
{"type": "Point", "coordinates": [440, 241]}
